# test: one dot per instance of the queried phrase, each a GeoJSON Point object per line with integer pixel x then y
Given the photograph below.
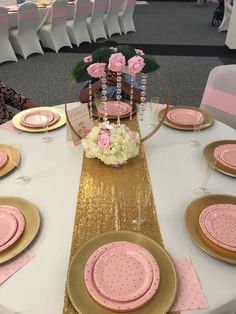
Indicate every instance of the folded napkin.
{"type": "Point", "coordinates": [11, 267]}
{"type": "Point", "coordinates": [190, 295]}
{"type": "Point", "coordinates": [9, 127]}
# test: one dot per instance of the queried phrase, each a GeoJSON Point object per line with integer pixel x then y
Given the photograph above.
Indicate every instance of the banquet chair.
{"type": "Point", "coordinates": [24, 39]}
{"type": "Point", "coordinates": [54, 35]}
{"type": "Point", "coordinates": [110, 19]}
{"type": "Point", "coordinates": [95, 23]}
{"type": "Point", "coordinates": [77, 28]}
{"type": "Point", "coordinates": [126, 17]}
{"type": "Point", "coordinates": [226, 19]}
{"type": "Point", "coordinates": [219, 98]}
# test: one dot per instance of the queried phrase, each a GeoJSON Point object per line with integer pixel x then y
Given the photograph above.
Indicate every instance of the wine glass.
{"type": "Point", "coordinates": [44, 121]}
{"type": "Point", "coordinates": [154, 104]}
{"type": "Point", "coordinates": [22, 178]}
{"type": "Point", "coordinates": [142, 198]}
{"type": "Point", "coordinates": [208, 164]}
{"type": "Point", "coordinates": [196, 131]}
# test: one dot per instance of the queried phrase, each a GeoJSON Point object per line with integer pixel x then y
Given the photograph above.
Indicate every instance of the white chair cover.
{"type": "Point", "coordinates": [6, 51]}
{"type": "Point", "coordinates": [111, 22]}
{"type": "Point", "coordinates": [95, 23]}
{"type": "Point", "coordinates": [226, 19]}
{"type": "Point", "coordinates": [77, 28]}
{"type": "Point", "coordinates": [54, 35]}
{"type": "Point", "coordinates": [219, 98]}
{"type": "Point", "coordinates": [126, 17]}
{"type": "Point", "coordinates": [8, 3]}
{"type": "Point", "coordinates": [24, 40]}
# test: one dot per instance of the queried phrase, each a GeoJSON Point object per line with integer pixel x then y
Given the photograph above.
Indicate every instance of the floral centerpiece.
{"type": "Point", "coordinates": [114, 144]}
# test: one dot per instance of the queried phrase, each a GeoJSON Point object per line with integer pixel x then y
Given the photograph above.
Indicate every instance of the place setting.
{"type": "Point", "coordinates": [210, 220]}
{"type": "Point", "coordinates": [223, 153]}
{"type": "Point", "coordinates": [40, 119]}
{"type": "Point", "coordinates": [19, 224]}
{"type": "Point", "coordinates": [9, 158]}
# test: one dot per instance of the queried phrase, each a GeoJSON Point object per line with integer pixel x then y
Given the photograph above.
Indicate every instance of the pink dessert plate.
{"type": "Point", "coordinates": [226, 154]}
{"type": "Point", "coordinates": [111, 276]}
{"type": "Point", "coordinates": [218, 223]}
{"type": "Point", "coordinates": [8, 227]}
{"type": "Point", "coordinates": [3, 159]}
{"type": "Point", "coordinates": [20, 224]}
{"type": "Point", "coordinates": [112, 108]}
{"type": "Point", "coordinates": [185, 116]}
{"type": "Point", "coordinates": [37, 118]}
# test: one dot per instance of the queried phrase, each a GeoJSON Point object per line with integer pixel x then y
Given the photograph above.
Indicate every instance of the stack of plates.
{"type": "Point", "coordinates": [19, 224]}
{"type": "Point", "coordinates": [122, 276]}
{"type": "Point", "coordinates": [120, 272]}
{"type": "Point", "coordinates": [9, 159]}
{"type": "Point", "coordinates": [218, 224]}
{"type": "Point", "coordinates": [186, 118]}
{"type": "Point", "coordinates": [37, 119]}
{"type": "Point", "coordinates": [113, 109]}
{"type": "Point", "coordinates": [12, 225]}
{"type": "Point", "coordinates": [224, 152]}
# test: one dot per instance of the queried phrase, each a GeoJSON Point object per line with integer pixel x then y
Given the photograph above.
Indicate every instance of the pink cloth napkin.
{"type": "Point", "coordinates": [11, 267]}
{"type": "Point", "coordinates": [190, 295]}
{"type": "Point", "coordinates": [9, 127]}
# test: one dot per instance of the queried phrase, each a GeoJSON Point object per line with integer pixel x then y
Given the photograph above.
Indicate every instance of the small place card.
{"type": "Point", "coordinates": [80, 121]}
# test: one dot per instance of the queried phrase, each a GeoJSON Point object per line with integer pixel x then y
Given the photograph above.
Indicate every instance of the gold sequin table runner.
{"type": "Point", "coordinates": [107, 201]}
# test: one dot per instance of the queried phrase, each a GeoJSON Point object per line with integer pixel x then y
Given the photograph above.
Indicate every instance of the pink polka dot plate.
{"type": "Point", "coordinates": [113, 108]}
{"type": "Point", "coordinates": [122, 276]}
{"type": "Point", "coordinates": [9, 210]}
{"type": "Point", "coordinates": [8, 227]}
{"type": "Point", "coordinates": [185, 116]}
{"type": "Point", "coordinates": [39, 118]}
{"type": "Point", "coordinates": [226, 154]}
{"type": "Point", "coordinates": [218, 223]}
{"type": "Point", "coordinates": [3, 159]}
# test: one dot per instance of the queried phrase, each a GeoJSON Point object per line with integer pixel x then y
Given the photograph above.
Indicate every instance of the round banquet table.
{"type": "Point", "coordinates": [175, 171]}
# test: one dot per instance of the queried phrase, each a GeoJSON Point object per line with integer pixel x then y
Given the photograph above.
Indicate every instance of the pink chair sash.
{"type": "Point", "coordinates": [221, 100]}
{"type": "Point", "coordinates": [59, 12]}
{"type": "Point", "coordinates": [115, 4]}
{"type": "Point", "coordinates": [83, 8]}
{"type": "Point", "coordinates": [4, 18]}
{"type": "Point", "coordinates": [27, 15]}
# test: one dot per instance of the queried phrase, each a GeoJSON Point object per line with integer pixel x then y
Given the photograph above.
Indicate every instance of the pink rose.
{"type": "Point", "coordinates": [96, 69]}
{"type": "Point", "coordinates": [88, 59]}
{"type": "Point", "coordinates": [139, 52]}
{"type": "Point", "coordinates": [116, 62]}
{"type": "Point", "coordinates": [103, 140]}
{"type": "Point", "coordinates": [132, 135]}
{"type": "Point", "coordinates": [135, 64]}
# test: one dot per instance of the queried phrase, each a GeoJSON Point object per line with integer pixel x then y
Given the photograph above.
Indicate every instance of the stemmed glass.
{"type": "Point", "coordinates": [195, 140]}
{"type": "Point", "coordinates": [208, 164]}
{"type": "Point", "coordinates": [21, 179]}
{"type": "Point", "coordinates": [142, 198]}
{"type": "Point", "coordinates": [154, 104]}
{"type": "Point", "coordinates": [44, 120]}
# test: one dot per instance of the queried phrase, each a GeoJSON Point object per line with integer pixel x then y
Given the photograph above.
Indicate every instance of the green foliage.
{"type": "Point", "coordinates": [80, 73]}
{"type": "Point", "coordinates": [102, 55]}
{"type": "Point", "coordinates": [127, 51]}
{"type": "Point", "coordinates": [150, 64]}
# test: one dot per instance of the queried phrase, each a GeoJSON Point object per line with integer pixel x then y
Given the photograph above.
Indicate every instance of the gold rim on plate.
{"type": "Point", "coordinates": [208, 119]}
{"type": "Point", "coordinates": [13, 159]}
{"type": "Point", "coordinates": [17, 118]}
{"type": "Point", "coordinates": [32, 223]}
{"type": "Point", "coordinates": [192, 214]}
{"type": "Point", "coordinates": [209, 153]}
{"type": "Point", "coordinates": [111, 117]}
{"type": "Point", "coordinates": [79, 296]}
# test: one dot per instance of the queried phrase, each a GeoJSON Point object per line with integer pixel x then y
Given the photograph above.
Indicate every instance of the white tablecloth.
{"type": "Point", "coordinates": [175, 170]}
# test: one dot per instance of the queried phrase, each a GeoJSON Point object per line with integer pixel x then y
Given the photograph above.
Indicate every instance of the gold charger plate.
{"type": "Point", "coordinates": [209, 153]}
{"type": "Point", "coordinates": [208, 119]}
{"type": "Point", "coordinates": [192, 214]}
{"type": "Point", "coordinates": [17, 118]}
{"type": "Point", "coordinates": [79, 296]}
{"type": "Point", "coordinates": [32, 223]}
{"type": "Point", "coordinates": [111, 117]}
{"type": "Point", "coordinates": [13, 158]}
